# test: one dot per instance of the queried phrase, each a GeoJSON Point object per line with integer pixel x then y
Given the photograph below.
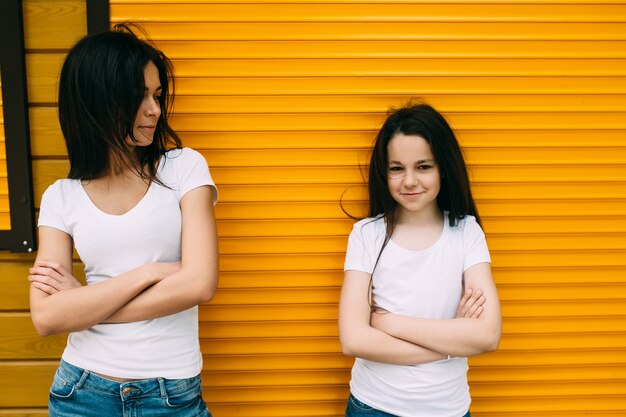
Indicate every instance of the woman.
{"type": "Point", "coordinates": [422, 256]}
{"type": "Point", "coordinates": [138, 210]}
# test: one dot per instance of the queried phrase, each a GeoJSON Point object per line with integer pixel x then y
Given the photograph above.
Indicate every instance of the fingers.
{"type": "Point", "coordinates": [44, 282]}
{"type": "Point", "coordinates": [477, 313]}
{"type": "Point", "coordinates": [51, 278]}
{"type": "Point", "coordinates": [471, 305]}
{"type": "Point", "coordinates": [476, 309]}
{"type": "Point", "coordinates": [462, 309]}
{"type": "Point", "coordinates": [45, 272]}
{"type": "Point", "coordinates": [52, 265]}
{"type": "Point", "coordinates": [43, 287]}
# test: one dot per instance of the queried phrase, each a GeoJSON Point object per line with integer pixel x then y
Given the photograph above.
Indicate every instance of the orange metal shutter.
{"type": "Point", "coordinates": [283, 99]}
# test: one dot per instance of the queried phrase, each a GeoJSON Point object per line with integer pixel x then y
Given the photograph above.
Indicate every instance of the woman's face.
{"type": "Point", "coordinates": [413, 175]}
{"type": "Point", "coordinates": [149, 110]}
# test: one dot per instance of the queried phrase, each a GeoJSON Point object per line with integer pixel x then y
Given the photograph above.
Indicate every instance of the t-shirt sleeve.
{"type": "Point", "coordinates": [475, 244]}
{"type": "Point", "coordinates": [51, 209]}
{"type": "Point", "coordinates": [193, 172]}
{"type": "Point", "coordinates": [358, 257]}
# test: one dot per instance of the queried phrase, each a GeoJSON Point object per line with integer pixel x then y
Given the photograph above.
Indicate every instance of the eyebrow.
{"type": "Point", "coordinates": [156, 89]}
{"type": "Point", "coordinates": [421, 161]}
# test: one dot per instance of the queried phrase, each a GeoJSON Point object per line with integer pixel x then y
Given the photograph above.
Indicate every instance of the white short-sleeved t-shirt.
{"type": "Point", "coordinates": [110, 245]}
{"type": "Point", "coordinates": [425, 283]}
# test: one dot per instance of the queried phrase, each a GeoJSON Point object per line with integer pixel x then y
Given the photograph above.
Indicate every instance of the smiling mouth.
{"type": "Point", "coordinates": [150, 130]}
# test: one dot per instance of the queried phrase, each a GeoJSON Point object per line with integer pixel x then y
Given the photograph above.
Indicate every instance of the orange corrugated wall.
{"type": "Point", "coordinates": [283, 99]}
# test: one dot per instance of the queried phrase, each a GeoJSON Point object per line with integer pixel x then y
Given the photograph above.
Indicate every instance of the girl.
{"type": "Point", "coordinates": [419, 250]}
{"type": "Point", "coordinates": [138, 210]}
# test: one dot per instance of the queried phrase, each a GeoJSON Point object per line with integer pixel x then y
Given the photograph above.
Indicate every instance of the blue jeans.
{"type": "Point", "coordinates": [76, 392]}
{"type": "Point", "coordinates": [358, 408]}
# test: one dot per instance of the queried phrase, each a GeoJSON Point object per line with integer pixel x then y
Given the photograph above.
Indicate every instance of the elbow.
{"type": "Point", "coordinates": [42, 326]}
{"type": "Point", "coordinates": [43, 331]}
{"type": "Point", "coordinates": [349, 346]}
{"type": "Point", "coordinates": [490, 346]}
{"type": "Point", "coordinates": [207, 288]}
{"type": "Point", "coordinates": [205, 296]}
{"type": "Point", "coordinates": [48, 323]}
{"type": "Point", "coordinates": [496, 335]}
{"type": "Point", "coordinates": [354, 337]}
{"type": "Point", "coordinates": [491, 342]}
{"type": "Point", "coordinates": [200, 283]}
{"type": "Point", "coordinates": [348, 350]}
{"type": "Point", "coordinates": [494, 343]}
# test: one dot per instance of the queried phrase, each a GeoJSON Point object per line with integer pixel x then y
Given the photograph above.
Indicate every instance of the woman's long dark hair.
{"type": "Point", "coordinates": [100, 90]}
{"type": "Point", "coordinates": [455, 195]}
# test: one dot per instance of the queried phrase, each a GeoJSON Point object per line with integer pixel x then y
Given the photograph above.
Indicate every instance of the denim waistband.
{"type": "Point", "coordinates": [160, 387]}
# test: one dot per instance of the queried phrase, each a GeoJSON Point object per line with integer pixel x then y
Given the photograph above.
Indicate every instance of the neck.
{"type": "Point", "coordinates": [123, 166]}
{"type": "Point", "coordinates": [425, 217]}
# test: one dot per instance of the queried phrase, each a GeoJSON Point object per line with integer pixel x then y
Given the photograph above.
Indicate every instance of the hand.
{"type": "Point", "coordinates": [471, 305]}
{"type": "Point", "coordinates": [51, 277]}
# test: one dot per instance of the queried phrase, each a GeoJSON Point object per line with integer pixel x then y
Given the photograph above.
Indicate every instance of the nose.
{"type": "Point", "coordinates": [411, 179]}
{"type": "Point", "coordinates": [153, 109]}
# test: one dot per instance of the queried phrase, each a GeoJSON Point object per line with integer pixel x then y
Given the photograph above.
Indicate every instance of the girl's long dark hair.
{"type": "Point", "coordinates": [455, 195]}
{"type": "Point", "coordinates": [100, 90]}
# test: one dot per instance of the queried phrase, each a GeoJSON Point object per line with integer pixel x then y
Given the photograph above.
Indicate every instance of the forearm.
{"type": "Point", "coordinates": [196, 280]}
{"type": "Point", "coordinates": [455, 337]}
{"type": "Point", "coordinates": [81, 308]}
{"type": "Point", "coordinates": [358, 338]}
{"type": "Point", "coordinates": [178, 292]}
{"type": "Point", "coordinates": [374, 345]}
{"type": "Point", "coordinates": [462, 336]}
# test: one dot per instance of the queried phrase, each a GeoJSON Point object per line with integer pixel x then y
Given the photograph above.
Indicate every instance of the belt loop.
{"type": "Point", "coordinates": [83, 378]}
{"type": "Point", "coordinates": [162, 387]}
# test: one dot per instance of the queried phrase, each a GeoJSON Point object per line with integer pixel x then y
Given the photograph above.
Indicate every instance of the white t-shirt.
{"type": "Point", "coordinates": [110, 245]}
{"type": "Point", "coordinates": [425, 283]}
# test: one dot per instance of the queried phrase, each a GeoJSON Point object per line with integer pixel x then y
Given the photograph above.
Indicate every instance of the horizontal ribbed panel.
{"type": "Point", "coordinates": [284, 100]}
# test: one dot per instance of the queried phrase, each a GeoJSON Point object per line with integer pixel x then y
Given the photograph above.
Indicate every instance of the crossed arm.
{"type": "Point", "coordinates": [403, 340]}
{"type": "Point", "coordinates": [59, 303]}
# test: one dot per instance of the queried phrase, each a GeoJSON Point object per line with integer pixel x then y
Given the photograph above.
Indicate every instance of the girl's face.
{"type": "Point", "coordinates": [413, 175]}
{"type": "Point", "coordinates": [149, 110]}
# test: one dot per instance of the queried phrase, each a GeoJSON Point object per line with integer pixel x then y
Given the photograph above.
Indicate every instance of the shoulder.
{"type": "Point", "coordinates": [468, 222]}
{"type": "Point", "coordinates": [177, 163]}
{"type": "Point", "coordinates": [370, 225]}
{"type": "Point", "coordinates": [62, 189]}
{"type": "Point", "coordinates": [467, 229]}
{"type": "Point", "coordinates": [183, 155]}
{"type": "Point", "coordinates": [184, 160]}
{"type": "Point", "coordinates": [470, 233]}
{"type": "Point", "coordinates": [57, 202]}
{"type": "Point", "coordinates": [370, 230]}
{"type": "Point", "coordinates": [185, 169]}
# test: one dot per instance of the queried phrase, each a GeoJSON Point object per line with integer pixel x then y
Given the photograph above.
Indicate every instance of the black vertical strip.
{"type": "Point", "coordinates": [16, 130]}
{"type": "Point", "coordinates": [97, 16]}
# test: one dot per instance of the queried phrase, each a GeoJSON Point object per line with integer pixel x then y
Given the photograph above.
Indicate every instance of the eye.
{"type": "Point", "coordinates": [395, 169]}
{"type": "Point", "coordinates": [424, 167]}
